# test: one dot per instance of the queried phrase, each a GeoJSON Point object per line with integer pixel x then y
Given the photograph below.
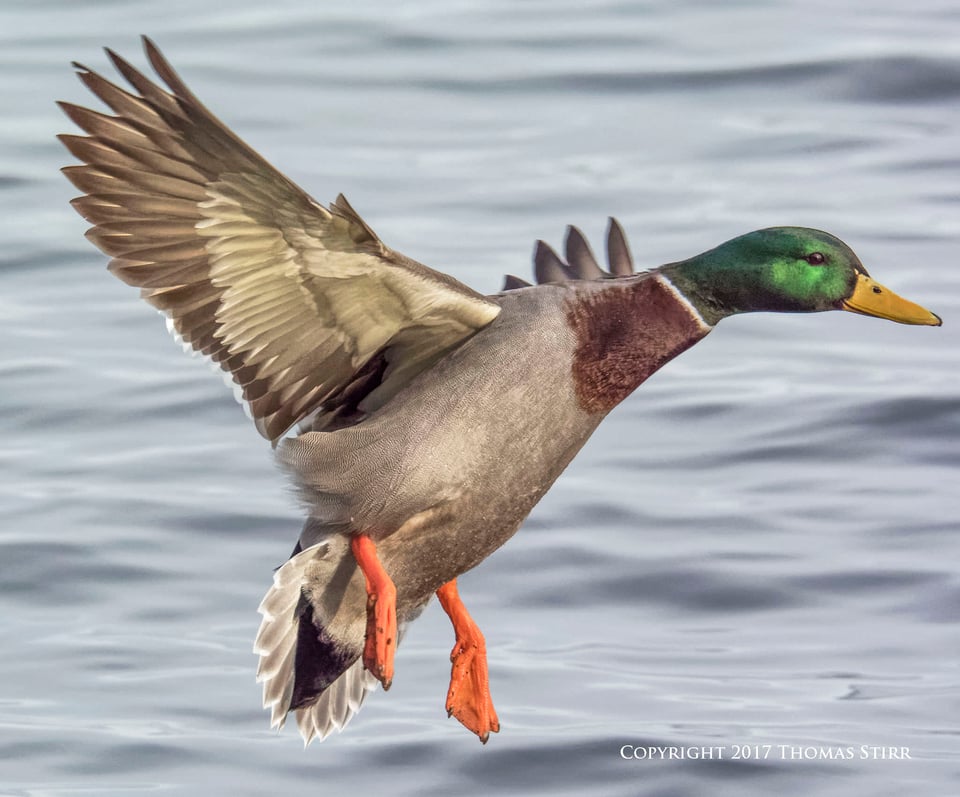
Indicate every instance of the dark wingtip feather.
{"type": "Point", "coordinates": [115, 58]}
{"type": "Point", "coordinates": [77, 114]}
{"type": "Point", "coordinates": [581, 263]}
{"type": "Point", "coordinates": [71, 142]}
{"type": "Point", "coordinates": [547, 265]}
{"type": "Point", "coordinates": [512, 283]}
{"type": "Point", "coordinates": [619, 259]}
{"type": "Point", "coordinates": [166, 72]}
{"type": "Point", "coordinates": [133, 76]}
{"type": "Point", "coordinates": [580, 257]}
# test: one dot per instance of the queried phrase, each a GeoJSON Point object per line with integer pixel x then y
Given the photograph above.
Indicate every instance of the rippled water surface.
{"type": "Point", "coordinates": [758, 548]}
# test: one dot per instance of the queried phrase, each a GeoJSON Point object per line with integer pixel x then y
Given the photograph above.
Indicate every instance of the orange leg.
{"type": "Point", "coordinates": [381, 640]}
{"type": "Point", "coordinates": [469, 696]}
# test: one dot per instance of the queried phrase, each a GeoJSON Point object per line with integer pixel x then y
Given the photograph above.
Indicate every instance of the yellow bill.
{"type": "Point", "coordinates": [871, 298]}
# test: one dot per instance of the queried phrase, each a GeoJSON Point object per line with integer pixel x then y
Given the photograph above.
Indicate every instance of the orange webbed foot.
{"type": "Point", "coordinates": [468, 698]}
{"type": "Point", "coordinates": [381, 635]}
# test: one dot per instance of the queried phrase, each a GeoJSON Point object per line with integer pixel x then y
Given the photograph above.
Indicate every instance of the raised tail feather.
{"type": "Point", "coordinates": [303, 666]}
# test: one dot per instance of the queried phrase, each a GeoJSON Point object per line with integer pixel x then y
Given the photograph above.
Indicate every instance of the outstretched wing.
{"type": "Point", "coordinates": [303, 305]}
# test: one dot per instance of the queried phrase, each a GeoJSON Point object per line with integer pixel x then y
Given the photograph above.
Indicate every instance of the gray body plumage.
{"type": "Point", "coordinates": [427, 475]}
{"type": "Point", "coordinates": [439, 447]}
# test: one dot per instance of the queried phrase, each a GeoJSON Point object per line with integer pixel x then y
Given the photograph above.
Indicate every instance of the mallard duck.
{"type": "Point", "coordinates": [422, 436]}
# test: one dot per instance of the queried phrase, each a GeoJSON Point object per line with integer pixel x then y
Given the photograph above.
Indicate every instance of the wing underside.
{"type": "Point", "coordinates": [302, 304]}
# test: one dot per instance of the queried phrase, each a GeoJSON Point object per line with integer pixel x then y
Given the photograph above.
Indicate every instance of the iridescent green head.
{"type": "Point", "coordinates": [787, 270]}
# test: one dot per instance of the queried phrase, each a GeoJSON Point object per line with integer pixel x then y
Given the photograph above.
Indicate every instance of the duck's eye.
{"type": "Point", "coordinates": [816, 259]}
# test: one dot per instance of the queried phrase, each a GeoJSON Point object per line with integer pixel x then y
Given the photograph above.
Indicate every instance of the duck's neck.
{"type": "Point", "coordinates": [625, 331]}
{"type": "Point", "coordinates": [715, 287]}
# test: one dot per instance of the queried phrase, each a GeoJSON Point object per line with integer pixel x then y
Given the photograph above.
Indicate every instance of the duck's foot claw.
{"type": "Point", "coordinates": [381, 635]}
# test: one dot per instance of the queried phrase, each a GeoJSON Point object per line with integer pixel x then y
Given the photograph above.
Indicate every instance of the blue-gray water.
{"type": "Point", "coordinates": [759, 547]}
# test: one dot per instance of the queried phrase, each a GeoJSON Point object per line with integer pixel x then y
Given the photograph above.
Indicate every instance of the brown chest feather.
{"type": "Point", "coordinates": [624, 334]}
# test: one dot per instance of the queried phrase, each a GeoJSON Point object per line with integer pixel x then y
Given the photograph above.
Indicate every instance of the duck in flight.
{"type": "Point", "coordinates": [430, 418]}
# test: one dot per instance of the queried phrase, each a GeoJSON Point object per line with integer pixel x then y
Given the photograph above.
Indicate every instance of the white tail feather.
{"type": "Point", "coordinates": [337, 705]}
{"type": "Point", "coordinates": [276, 644]}
{"type": "Point", "coordinates": [276, 641]}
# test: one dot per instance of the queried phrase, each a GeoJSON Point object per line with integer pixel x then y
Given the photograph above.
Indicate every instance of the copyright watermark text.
{"type": "Point", "coordinates": [764, 752]}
